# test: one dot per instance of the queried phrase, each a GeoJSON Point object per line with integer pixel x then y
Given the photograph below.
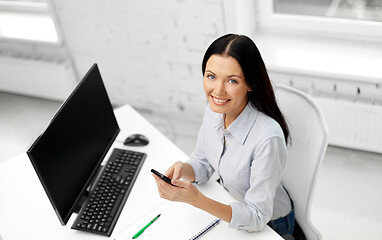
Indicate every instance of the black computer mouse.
{"type": "Point", "coordinates": [136, 140]}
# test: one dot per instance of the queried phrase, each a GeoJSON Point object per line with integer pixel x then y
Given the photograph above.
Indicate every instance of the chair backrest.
{"type": "Point", "coordinates": [306, 150]}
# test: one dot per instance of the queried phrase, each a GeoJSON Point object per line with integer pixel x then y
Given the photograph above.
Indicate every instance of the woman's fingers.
{"type": "Point", "coordinates": [175, 171]}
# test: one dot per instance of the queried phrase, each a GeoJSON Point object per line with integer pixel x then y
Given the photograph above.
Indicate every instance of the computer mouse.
{"type": "Point", "coordinates": [136, 140]}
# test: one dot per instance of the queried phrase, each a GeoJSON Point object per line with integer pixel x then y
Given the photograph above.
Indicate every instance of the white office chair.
{"type": "Point", "coordinates": [309, 134]}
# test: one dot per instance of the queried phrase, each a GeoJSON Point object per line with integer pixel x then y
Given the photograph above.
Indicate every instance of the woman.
{"type": "Point", "coordinates": [243, 137]}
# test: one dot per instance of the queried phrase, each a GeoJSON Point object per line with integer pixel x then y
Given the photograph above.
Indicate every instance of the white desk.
{"type": "Point", "coordinates": [26, 213]}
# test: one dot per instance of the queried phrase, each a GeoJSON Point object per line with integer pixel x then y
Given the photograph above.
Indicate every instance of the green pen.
{"type": "Point", "coordinates": [144, 228]}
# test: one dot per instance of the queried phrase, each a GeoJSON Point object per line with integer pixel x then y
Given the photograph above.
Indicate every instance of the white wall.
{"type": "Point", "coordinates": [149, 52]}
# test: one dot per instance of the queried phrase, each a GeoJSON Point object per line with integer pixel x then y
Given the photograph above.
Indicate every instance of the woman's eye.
{"type": "Point", "coordinates": [211, 76]}
{"type": "Point", "coordinates": [232, 81]}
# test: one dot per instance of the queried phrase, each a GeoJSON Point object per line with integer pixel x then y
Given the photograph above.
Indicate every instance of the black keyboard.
{"type": "Point", "coordinates": [102, 208]}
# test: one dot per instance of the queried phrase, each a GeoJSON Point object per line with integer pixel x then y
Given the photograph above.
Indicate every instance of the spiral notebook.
{"type": "Point", "coordinates": [178, 221]}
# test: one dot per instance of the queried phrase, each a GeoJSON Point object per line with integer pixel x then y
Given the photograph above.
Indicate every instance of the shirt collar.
{"type": "Point", "coordinates": [242, 125]}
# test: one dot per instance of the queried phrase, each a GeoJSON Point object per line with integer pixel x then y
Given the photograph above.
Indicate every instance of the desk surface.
{"type": "Point", "coordinates": [26, 213]}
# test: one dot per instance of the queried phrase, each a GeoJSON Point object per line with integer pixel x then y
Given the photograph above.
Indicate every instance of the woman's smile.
{"type": "Point", "coordinates": [220, 101]}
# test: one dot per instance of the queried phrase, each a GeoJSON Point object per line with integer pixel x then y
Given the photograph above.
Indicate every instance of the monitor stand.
{"type": "Point", "coordinates": [85, 195]}
{"type": "Point", "coordinates": [80, 203]}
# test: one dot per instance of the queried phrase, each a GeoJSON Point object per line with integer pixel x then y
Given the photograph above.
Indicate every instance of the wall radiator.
{"type": "Point", "coordinates": [42, 78]}
{"type": "Point", "coordinates": [353, 124]}
{"type": "Point", "coordinates": [353, 110]}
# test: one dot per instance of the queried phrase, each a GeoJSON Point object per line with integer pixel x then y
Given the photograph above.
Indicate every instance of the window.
{"type": "Point", "coordinates": [345, 18]}
{"type": "Point", "coordinates": [27, 20]}
{"type": "Point", "coordinates": [351, 9]}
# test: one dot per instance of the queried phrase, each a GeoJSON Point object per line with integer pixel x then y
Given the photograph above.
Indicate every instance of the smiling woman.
{"type": "Point", "coordinates": [245, 60]}
{"type": "Point", "coordinates": [243, 138]}
{"type": "Point", "coordinates": [225, 87]}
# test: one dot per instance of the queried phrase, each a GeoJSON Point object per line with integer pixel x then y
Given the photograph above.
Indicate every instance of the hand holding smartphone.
{"type": "Point", "coordinates": [162, 176]}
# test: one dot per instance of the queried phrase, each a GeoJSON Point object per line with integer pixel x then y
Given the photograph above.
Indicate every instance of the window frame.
{"type": "Point", "coordinates": [270, 21]}
{"type": "Point", "coordinates": [10, 7]}
{"type": "Point", "coordinates": [39, 7]}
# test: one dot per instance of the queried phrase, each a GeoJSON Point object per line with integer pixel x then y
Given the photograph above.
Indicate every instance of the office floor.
{"type": "Point", "coordinates": [348, 196]}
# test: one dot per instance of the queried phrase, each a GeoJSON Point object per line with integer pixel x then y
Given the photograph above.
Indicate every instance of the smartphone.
{"type": "Point", "coordinates": [162, 176]}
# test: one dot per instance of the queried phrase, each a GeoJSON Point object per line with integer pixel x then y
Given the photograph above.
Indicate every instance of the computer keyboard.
{"type": "Point", "coordinates": [105, 202]}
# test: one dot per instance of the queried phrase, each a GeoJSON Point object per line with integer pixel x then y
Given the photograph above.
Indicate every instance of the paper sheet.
{"type": "Point", "coordinates": [178, 221]}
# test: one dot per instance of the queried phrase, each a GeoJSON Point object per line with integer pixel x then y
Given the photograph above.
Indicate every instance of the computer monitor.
{"type": "Point", "coordinates": [68, 154]}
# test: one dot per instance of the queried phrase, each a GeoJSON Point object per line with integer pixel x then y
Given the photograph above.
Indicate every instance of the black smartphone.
{"type": "Point", "coordinates": [162, 176]}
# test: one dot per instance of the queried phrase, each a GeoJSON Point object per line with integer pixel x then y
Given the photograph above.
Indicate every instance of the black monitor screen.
{"type": "Point", "coordinates": [69, 152]}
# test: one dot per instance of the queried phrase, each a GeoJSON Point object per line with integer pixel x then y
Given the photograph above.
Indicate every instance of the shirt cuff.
{"type": "Point", "coordinates": [240, 216]}
{"type": "Point", "coordinates": [243, 219]}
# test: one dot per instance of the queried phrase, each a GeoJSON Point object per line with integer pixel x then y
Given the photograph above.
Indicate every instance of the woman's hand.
{"type": "Point", "coordinates": [183, 192]}
{"type": "Point", "coordinates": [181, 170]}
{"type": "Point", "coordinates": [175, 171]}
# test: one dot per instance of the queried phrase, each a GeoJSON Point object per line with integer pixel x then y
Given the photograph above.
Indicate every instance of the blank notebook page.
{"type": "Point", "coordinates": [178, 221]}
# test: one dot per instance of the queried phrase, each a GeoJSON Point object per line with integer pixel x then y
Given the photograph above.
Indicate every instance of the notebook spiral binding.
{"type": "Point", "coordinates": [205, 230]}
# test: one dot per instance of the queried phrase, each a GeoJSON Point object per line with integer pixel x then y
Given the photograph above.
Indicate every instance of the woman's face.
{"type": "Point", "coordinates": [225, 86]}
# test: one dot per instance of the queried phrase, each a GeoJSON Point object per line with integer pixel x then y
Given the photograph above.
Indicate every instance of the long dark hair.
{"type": "Point", "coordinates": [244, 50]}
